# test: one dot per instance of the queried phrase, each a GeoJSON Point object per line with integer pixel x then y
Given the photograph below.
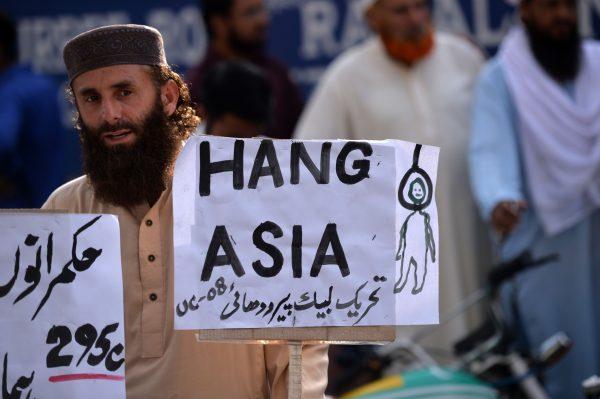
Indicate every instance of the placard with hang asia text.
{"type": "Point", "coordinates": [289, 233]}
{"type": "Point", "coordinates": [61, 306]}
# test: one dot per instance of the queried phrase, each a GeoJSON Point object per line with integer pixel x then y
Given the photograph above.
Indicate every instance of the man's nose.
{"type": "Point", "coordinates": [111, 111]}
{"type": "Point", "coordinates": [417, 17]}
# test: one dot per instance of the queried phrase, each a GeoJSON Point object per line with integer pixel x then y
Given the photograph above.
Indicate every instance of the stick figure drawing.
{"type": "Point", "coordinates": [410, 254]}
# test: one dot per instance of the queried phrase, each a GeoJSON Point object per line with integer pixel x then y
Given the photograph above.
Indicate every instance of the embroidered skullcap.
{"type": "Point", "coordinates": [113, 45]}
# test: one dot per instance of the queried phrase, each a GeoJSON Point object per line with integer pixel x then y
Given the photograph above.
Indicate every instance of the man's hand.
{"type": "Point", "coordinates": [506, 215]}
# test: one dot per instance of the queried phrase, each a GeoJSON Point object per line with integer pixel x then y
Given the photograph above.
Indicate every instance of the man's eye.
{"type": "Point", "coordinates": [125, 93]}
{"type": "Point", "coordinates": [91, 99]}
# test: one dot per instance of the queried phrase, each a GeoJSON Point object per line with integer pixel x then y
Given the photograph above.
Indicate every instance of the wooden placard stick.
{"type": "Point", "coordinates": [295, 338]}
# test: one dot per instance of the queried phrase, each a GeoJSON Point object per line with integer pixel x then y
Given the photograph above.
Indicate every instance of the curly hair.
{"type": "Point", "coordinates": [184, 118]}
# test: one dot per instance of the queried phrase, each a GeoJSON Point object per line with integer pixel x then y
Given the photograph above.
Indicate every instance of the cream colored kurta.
{"type": "Point", "coordinates": [366, 95]}
{"type": "Point", "coordinates": [165, 364]}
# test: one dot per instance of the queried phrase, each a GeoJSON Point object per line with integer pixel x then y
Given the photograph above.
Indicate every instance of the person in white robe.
{"type": "Point", "coordinates": [535, 171]}
{"type": "Point", "coordinates": [413, 83]}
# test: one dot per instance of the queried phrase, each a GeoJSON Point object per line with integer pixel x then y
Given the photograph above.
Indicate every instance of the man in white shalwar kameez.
{"type": "Point", "coordinates": [535, 170]}
{"type": "Point", "coordinates": [413, 83]}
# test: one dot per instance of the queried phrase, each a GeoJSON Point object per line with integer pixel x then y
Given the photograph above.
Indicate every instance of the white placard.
{"type": "Point", "coordinates": [417, 244]}
{"type": "Point", "coordinates": [293, 233]}
{"type": "Point", "coordinates": [61, 306]}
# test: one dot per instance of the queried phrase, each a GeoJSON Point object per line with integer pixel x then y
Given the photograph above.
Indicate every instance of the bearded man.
{"type": "Point", "coordinates": [237, 31]}
{"type": "Point", "coordinates": [535, 169]}
{"type": "Point", "coordinates": [134, 114]}
{"type": "Point", "coordinates": [412, 83]}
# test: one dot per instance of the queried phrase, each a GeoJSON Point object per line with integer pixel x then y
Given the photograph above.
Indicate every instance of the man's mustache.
{"type": "Point", "coordinates": [110, 128]}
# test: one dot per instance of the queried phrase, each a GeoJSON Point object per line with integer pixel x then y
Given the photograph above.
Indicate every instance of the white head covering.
{"type": "Point", "coordinates": [559, 132]}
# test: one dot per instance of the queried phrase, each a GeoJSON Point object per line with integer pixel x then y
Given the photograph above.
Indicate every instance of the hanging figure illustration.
{"type": "Point", "coordinates": [416, 227]}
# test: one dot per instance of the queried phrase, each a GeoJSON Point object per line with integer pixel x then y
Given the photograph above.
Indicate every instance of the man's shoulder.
{"type": "Point", "coordinates": [275, 63]}
{"type": "Point", "coordinates": [492, 72]}
{"type": "Point", "coordinates": [458, 42]}
{"type": "Point", "coordinates": [492, 84]}
{"type": "Point", "coordinates": [357, 54]}
{"type": "Point", "coordinates": [592, 45]}
{"type": "Point", "coordinates": [356, 58]}
{"type": "Point", "coordinates": [592, 49]}
{"type": "Point", "coordinates": [75, 191]}
{"type": "Point", "coordinates": [461, 50]}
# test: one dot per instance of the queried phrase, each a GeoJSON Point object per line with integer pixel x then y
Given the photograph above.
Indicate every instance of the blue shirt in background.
{"type": "Point", "coordinates": [31, 138]}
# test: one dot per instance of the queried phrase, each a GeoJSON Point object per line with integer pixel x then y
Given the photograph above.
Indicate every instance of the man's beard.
{"type": "Point", "coordinates": [560, 58]}
{"type": "Point", "coordinates": [128, 175]}
{"type": "Point", "coordinates": [246, 47]}
{"type": "Point", "coordinates": [409, 52]}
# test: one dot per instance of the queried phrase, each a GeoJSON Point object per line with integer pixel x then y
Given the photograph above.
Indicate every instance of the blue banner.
{"type": "Point", "coordinates": [306, 34]}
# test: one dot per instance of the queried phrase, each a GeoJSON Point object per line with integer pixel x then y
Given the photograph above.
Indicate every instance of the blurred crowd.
{"type": "Point", "coordinates": [519, 133]}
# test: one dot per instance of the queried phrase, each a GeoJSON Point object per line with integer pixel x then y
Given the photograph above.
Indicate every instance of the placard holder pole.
{"type": "Point", "coordinates": [295, 370]}
{"type": "Point", "coordinates": [295, 338]}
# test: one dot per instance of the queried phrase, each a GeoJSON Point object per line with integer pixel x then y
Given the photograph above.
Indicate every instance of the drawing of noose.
{"type": "Point", "coordinates": [420, 195]}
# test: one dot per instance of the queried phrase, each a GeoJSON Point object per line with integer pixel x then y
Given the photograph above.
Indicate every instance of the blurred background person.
{"type": "Point", "coordinates": [237, 30]}
{"type": "Point", "coordinates": [535, 170]}
{"type": "Point", "coordinates": [31, 143]}
{"type": "Point", "coordinates": [236, 98]}
{"type": "Point", "coordinates": [411, 82]}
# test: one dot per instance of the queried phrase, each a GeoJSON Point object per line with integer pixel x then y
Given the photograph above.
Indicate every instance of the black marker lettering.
{"type": "Point", "coordinates": [269, 249]}
{"type": "Point", "coordinates": [207, 168]}
{"type": "Point", "coordinates": [362, 165]}
{"type": "Point", "coordinates": [299, 152]}
{"type": "Point", "coordinates": [220, 239]}
{"type": "Point", "coordinates": [193, 306]}
{"type": "Point", "coordinates": [5, 289]}
{"type": "Point", "coordinates": [32, 275]}
{"type": "Point", "coordinates": [326, 302]}
{"type": "Point", "coordinates": [18, 388]}
{"type": "Point", "coordinates": [89, 255]}
{"type": "Point", "coordinates": [236, 306]}
{"type": "Point", "coordinates": [85, 336]}
{"type": "Point", "coordinates": [374, 300]}
{"type": "Point", "coordinates": [182, 312]}
{"type": "Point", "coordinates": [278, 306]}
{"type": "Point", "coordinates": [110, 363]}
{"type": "Point", "coordinates": [330, 237]}
{"type": "Point", "coordinates": [67, 276]}
{"type": "Point", "coordinates": [61, 336]}
{"type": "Point", "coordinates": [297, 251]}
{"type": "Point", "coordinates": [49, 250]}
{"type": "Point", "coordinates": [102, 343]}
{"type": "Point", "coordinates": [266, 151]}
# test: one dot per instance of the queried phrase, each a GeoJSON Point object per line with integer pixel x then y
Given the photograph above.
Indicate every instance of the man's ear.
{"type": "Point", "coordinates": [169, 96]}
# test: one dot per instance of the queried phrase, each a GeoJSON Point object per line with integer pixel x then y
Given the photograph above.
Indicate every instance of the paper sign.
{"type": "Point", "coordinates": [294, 234]}
{"type": "Point", "coordinates": [417, 245]}
{"type": "Point", "coordinates": [61, 306]}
